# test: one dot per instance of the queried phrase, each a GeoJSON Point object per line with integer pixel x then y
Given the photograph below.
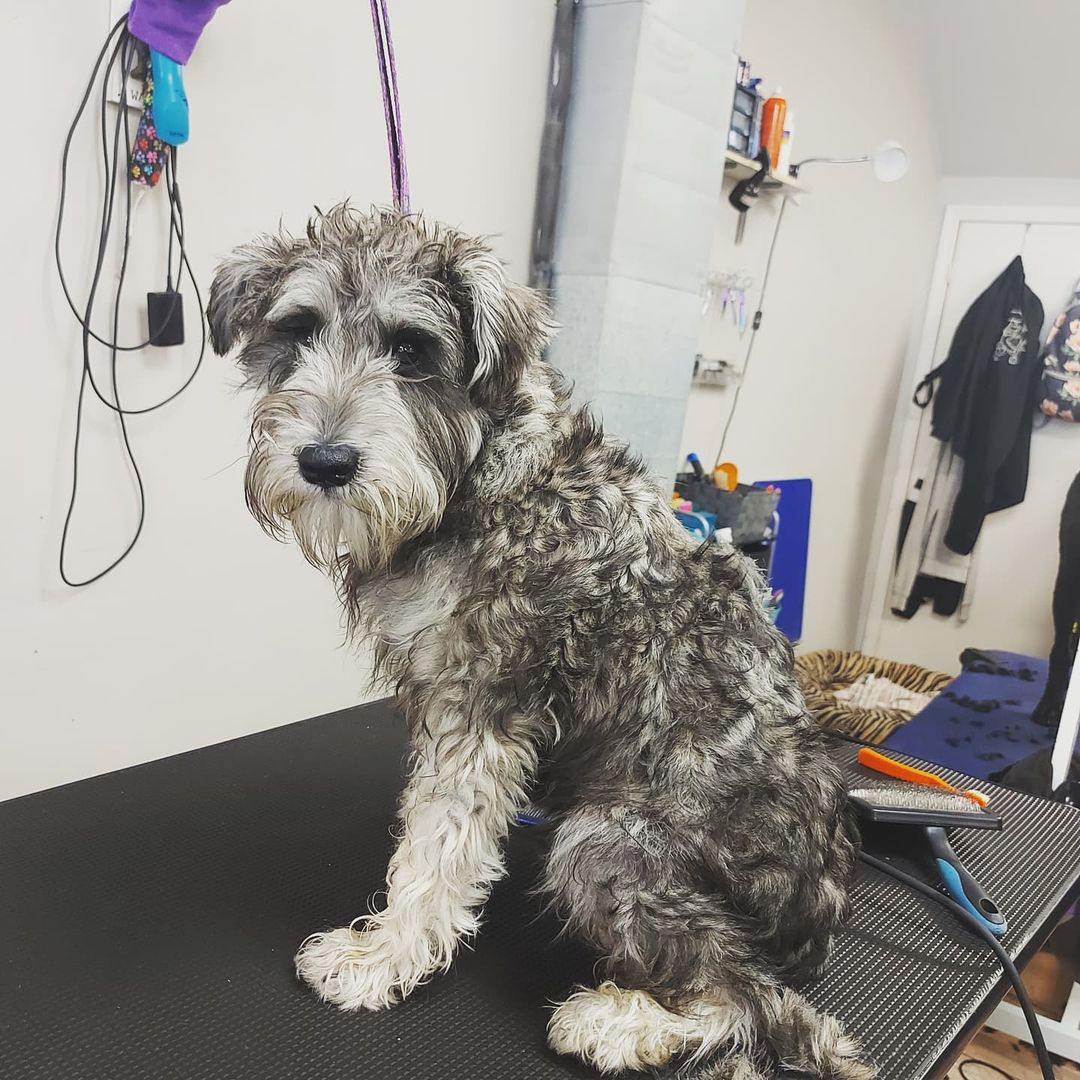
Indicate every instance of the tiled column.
{"type": "Point", "coordinates": [652, 91]}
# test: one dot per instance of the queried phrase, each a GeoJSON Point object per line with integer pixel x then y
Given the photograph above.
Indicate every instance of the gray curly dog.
{"type": "Point", "coordinates": [553, 634]}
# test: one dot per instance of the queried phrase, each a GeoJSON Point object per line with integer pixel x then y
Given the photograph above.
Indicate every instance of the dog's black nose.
{"type": "Point", "coordinates": [328, 466]}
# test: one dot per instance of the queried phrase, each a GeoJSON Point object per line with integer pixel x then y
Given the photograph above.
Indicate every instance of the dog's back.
{"type": "Point", "coordinates": [703, 842]}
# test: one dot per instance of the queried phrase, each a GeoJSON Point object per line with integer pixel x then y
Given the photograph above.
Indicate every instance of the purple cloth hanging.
{"type": "Point", "coordinates": [171, 27]}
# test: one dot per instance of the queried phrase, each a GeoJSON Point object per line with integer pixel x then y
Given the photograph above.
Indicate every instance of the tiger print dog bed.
{"type": "Point", "coordinates": [825, 671]}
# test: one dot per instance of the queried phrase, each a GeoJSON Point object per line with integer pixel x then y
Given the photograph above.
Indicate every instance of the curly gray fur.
{"type": "Point", "coordinates": [549, 630]}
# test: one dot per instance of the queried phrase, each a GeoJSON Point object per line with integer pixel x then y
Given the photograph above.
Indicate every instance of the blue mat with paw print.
{"type": "Point", "coordinates": [981, 722]}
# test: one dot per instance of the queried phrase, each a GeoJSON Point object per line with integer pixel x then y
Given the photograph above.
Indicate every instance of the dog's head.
{"type": "Point", "coordinates": [383, 351]}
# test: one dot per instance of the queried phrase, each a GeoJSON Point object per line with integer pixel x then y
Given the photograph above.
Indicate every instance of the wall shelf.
{"type": "Point", "coordinates": [737, 166]}
{"type": "Point", "coordinates": [718, 373]}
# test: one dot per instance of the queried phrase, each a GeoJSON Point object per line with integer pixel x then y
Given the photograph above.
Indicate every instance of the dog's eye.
{"type": "Point", "coordinates": [300, 327]}
{"type": "Point", "coordinates": [411, 351]}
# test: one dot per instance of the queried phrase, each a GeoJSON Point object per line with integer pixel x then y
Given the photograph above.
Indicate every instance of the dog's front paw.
{"type": "Point", "coordinates": [359, 969]}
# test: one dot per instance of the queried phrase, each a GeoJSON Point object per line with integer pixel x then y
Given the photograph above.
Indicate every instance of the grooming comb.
{"type": "Point", "coordinates": [899, 771]}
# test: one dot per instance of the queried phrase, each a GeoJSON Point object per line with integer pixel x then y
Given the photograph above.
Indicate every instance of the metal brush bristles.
{"type": "Point", "coordinates": [913, 804]}
{"type": "Point", "coordinates": [916, 797]}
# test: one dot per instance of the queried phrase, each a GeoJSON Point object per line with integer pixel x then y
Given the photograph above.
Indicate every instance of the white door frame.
{"type": "Point", "coordinates": [923, 353]}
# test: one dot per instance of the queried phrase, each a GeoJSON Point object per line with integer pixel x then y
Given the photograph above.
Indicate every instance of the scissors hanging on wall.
{"type": "Point", "coordinates": [731, 289]}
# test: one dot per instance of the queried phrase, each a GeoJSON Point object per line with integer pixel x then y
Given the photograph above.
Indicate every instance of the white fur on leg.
{"type": "Point", "coordinates": [456, 811]}
{"type": "Point", "coordinates": [614, 1029]}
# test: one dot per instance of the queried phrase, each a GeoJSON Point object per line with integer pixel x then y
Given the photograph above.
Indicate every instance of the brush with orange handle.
{"type": "Point", "coordinates": [899, 771]}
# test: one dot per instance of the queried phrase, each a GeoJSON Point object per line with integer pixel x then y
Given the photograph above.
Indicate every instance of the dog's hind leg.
{"type": "Point", "coordinates": [464, 786]}
{"type": "Point", "coordinates": [687, 980]}
{"type": "Point", "coordinates": [612, 875]}
{"type": "Point", "coordinates": [614, 1029]}
{"type": "Point", "coordinates": [720, 1036]}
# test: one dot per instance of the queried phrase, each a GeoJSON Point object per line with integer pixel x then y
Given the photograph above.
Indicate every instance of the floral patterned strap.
{"type": "Point", "coordinates": [148, 152]}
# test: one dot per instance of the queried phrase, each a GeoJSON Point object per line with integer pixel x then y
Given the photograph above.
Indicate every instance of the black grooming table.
{"type": "Point", "coordinates": [149, 919]}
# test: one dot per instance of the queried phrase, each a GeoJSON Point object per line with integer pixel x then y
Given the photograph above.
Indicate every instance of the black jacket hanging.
{"type": "Point", "coordinates": [985, 400]}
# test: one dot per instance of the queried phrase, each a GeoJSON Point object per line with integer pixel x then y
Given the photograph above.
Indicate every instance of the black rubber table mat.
{"type": "Point", "coordinates": [149, 918]}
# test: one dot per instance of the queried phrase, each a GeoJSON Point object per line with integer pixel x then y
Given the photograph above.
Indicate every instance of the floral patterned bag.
{"type": "Point", "coordinates": [1059, 391]}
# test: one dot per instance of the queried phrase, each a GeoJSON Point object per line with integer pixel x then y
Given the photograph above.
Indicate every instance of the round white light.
{"type": "Point", "coordinates": [891, 161]}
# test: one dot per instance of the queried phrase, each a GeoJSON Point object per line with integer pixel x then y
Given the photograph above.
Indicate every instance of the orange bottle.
{"type": "Point", "coordinates": [772, 125]}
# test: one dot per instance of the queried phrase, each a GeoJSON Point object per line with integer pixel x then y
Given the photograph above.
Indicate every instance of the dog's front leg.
{"type": "Point", "coordinates": [463, 788]}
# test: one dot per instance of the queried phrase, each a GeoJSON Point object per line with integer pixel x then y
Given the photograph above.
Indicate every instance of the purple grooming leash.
{"type": "Point", "coordinates": [384, 46]}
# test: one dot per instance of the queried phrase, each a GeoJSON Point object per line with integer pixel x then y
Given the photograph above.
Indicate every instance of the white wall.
{"type": "Point", "coordinates": [210, 630]}
{"type": "Point", "coordinates": [1009, 191]}
{"type": "Point", "coordinates": [849, 273]}
{"type": "Point", "coordinates": [1002, 84]}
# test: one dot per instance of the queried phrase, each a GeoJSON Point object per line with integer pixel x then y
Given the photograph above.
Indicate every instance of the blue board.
{"type": "Point", "coordinates": [790, 552]}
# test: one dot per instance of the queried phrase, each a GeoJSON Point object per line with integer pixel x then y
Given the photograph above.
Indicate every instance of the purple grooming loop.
{"type": "Point", "coordinates": [384, 47]}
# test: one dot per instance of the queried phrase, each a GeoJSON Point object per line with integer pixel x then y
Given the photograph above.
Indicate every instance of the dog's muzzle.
{"type": "Point", "coordinates": [328, 466]}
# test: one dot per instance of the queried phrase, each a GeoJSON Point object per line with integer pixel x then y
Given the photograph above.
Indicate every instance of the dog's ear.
{"type": "Point", "coordinates": [241, 286]}
{"type": "Point", "coordinates": [507, 324]}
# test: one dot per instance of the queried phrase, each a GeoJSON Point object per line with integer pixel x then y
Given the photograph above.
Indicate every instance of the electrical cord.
{"type": "Point", "coordinates": [170, 183]}
{"type": "Point", "coordinates": [122, 47]}
{"type": "Point", "coordinates": [973, 924]}
{"type": "Point", "coordinates": [753, 333]}
{"type": "Point", "coordinates": [176, 212]}
{"type": "Point", "coordinates": [85, 376]}
{"type": "Point", "coordinates": [119, 26]}
{"type": "Point", "coordinates": [113, 352]}
{"type": "Point", "coordinates": [979, 1063]}
{"type": "Point", "coordinates": [176, 225]}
